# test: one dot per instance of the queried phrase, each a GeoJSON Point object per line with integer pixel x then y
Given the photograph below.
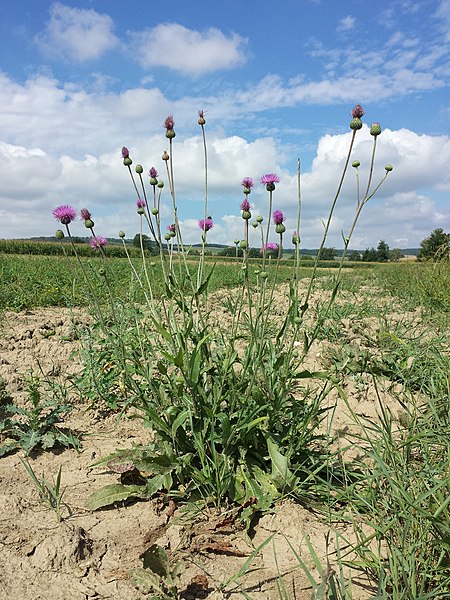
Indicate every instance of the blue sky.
{"type": "Point", "coordinates": [80, 79]}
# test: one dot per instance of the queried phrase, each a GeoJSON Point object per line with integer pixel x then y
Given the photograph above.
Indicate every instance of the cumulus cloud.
{"type": "Point", "coordinates": [187, 51]}
{"type": "Point", "coordinates": [78, 34]}
{"type": "Point", "coordinates": [346, 24]}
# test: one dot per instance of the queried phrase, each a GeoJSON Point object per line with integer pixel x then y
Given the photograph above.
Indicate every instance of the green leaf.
{"type": "Point", "coordinates": [146, 581]}
{"type": "Point", "coordinates": [116, 492]}
{"type": "Point", "coordinates": [156, 560]}
{"type": "Point", "coordinates": [281, 475]}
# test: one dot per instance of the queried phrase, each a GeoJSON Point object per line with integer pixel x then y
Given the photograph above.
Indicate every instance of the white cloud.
{"type": "Point", "coordinates": [78, 34]}
{"type": "Point", "coordinates": [346, 24]}
{"type": "Point", "coordinates": [187, 51]}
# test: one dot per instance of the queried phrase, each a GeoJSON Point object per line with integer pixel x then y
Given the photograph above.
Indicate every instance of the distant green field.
{"type": "Point", "coordinates": [31, 280]}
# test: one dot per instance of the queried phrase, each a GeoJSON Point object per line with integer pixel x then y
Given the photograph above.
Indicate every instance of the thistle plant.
{"type": "Point", "coordinates": [231, 416]}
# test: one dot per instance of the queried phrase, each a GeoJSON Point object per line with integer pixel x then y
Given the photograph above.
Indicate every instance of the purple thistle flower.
{"type": "Point", "coordinates": [140, 203]}
{"type": "Point", "coordinates": [247, 182]}
{"type": "Point", "coordinates": [269, 247]}
{"type": "Point", "coordinates": [153, 172]}
{"type": "Point", "coordinates": [98, 242]}
{"type": "Point", "coordinates": [270, 178]}
{"type": "Point", "coordinates": [171, 228]}
{"type": "Point", "coordinates": [169, 122]}
{"type": "Point", "coordinates": [64, 214]}
{"type": "Point", "coordinates": [85, 214]}
{"type": "Point", "coordinates": [125, 152]}
{"type": "Point", "coordinates": [357, 112]}
{"type": "Point", "coordinates": [278, 217]}
{"type": "Point", "coordinates": [206, 224]}
{"type": "Point", "coordinates": [245, 205]}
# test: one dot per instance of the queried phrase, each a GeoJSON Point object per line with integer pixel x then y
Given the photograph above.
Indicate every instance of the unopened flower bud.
{"type": "Point", "coordinates": [236, 242]}
{"type": "Point", "coordinates": [256, 272]}
{"type": "Point", "coordinates": [153, 181]}
{"type": "Point", "coordinates": [388, 167]}
{"type": "Point", "coordinates": [170, 133]}
{"type": "Point", "coordinates": [139, 169]}
{"type": "Point", "coordinates": [259, 219]}
{"type": "Point", "coordinates": [89, 223]}
{"type": "Point", "coordinates": [295, 238]}
{"type": "Point", "coordinates": [264, 274]}
{"type": "Point", "coordinates": [167, 237]}
{"type": "Point", "coordinates": [375, 129]}
{"type": "Point", "coordinates": [246, 214]}
{"type": "Point", "coordinates": [246, 190]}
{"type": "Point", "coordinates": [140, 210]}
{"type": "Point", "coordinates": [244, 245]}
{"type": "Point", "coordinates": [356, 164]}
{"type": "Point", "coordinates": [201, 118]}
{"type": "Point", "coordinates": [127, 161]}
{"type": "Point", "coordinates": [280, 228]}
{"type": "Point", "coordinates": [165, 156]}
{"type": "Point", "coordinates": [160, 184]}
{"type": "Point", "coordinates": [355, 123]}
{"type": "Point", "coordinates": [59, 235]}
{"type": "Point", "coordinates": [121, 234]}
{"type": "Point", "coordinates": [255, 224]}
{"type": "Point", "coordinates": [155, 211]}
{"type": "Point", "coordinates": [102, 271]}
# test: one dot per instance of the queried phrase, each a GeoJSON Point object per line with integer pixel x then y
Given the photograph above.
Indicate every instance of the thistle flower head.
{"type": "Point", "coordinates": [247, 184]}
{"type": "Point", "coordinates": [169, 122]}
{"type": "Point", "coordinates": [206, 224]}
{"type": "Point", "coordinates": [172, 227]}
{"type": "Point", "coordinates": [85, 214]}
{"type": "Point", "coordinates": [295, 238]}
{"type": "Point", "coordinates": [65, 214]}
{"type": "Point", "coordinates": [201, 117]}
{"type": "Point", "coordinates": [245, 205]}
{"type": "Point", "coordinates": [153, 172]}
{"type": "Point", "coordinates": [125, 152]}
{"type": "Point", "coordinates": [357, 112]}
{"type": "Point", "coordinates": [98, 242]}
{"type": "Point", "coordinates": [278, 217]}
{"type": "Point", "coordinates": [140, 203]}
{"type": "Point", "coordinates": [269, 247]}
{"type": "Point", "coordinates": [270, 178]}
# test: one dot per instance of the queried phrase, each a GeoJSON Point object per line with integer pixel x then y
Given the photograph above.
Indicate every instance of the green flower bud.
{"type": "Point", "coordinates": [140, 210]}
{"type": "Point", "coordinates": [127, 161]}
{"type": "Point", "coordinates": [160, 184]}
{"type": "Point", "coordinates": [59, 235]}
{"type": "Point", "coordinates": [244, 245]}
{"type": "Point", "coordinates": [139, 169]}
{"type": "Point", "coordinates": [167, 237]}
{"type": "Point", "coordinates": [355, 123]}
{"type": "Point", "coordinates": [280, 228]}
{"type": "Point", "coordinates": [246, 190]}
{"type": "Point", "coordinates": [246, 214]}
{"type": "Point", "coordinates": [259, 219]}
{"type": "Point", "coordinates": [255, 224]}
{"type": "Point", "coordinates": [153, 181]}
{"type": "Point", "coordinates": [121, 234]}
{"type": "Point", "coordinates": [102, 271]}
{"type": "Point", "coordinates": [356, 164]}
{"type": "Point", "coordinates": [375, 129]}
{"type": "Point", "coordinates": [170, 133]}
{"type": "Point", "coordinates": [172, 234]}
{"type": "Point", "coordinates": [155, 211]}
{"type": "Point", "coordinates": [89, 223]}
{"type": "Point", "coordinates": [257, 272]}
{"type": "Point", "coordinates": [388, 167]}
{"type": "Point", "coordinates": [264, 274]}
{"type": "Point", "coordinates": [270, 187]}
{"type": "Point", "coordinates": [236, 242]}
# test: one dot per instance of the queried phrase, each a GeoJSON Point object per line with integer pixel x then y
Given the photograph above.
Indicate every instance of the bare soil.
{"type": "Point", "coordinates": [91, 554]}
